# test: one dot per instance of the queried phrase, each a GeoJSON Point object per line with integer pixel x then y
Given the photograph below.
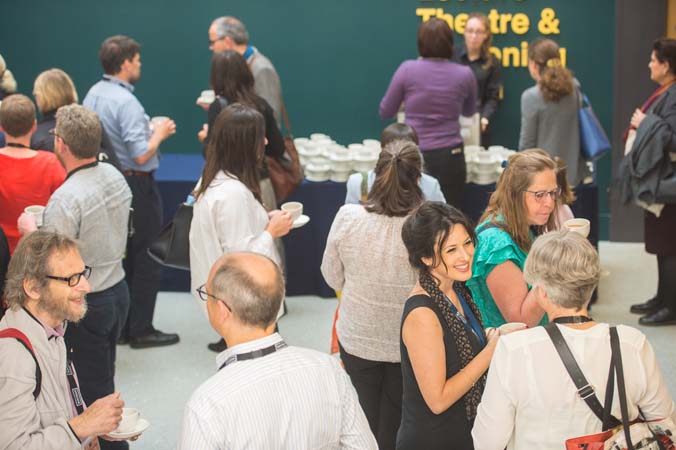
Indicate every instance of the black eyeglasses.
{"type": "Point", "coordinates": [55, 134]}
{"type": "Point", "coordinates": [204, 295]}
{"type": "Point", "coordinates": [540, 195]}
{"type": "Point", "coordinates": [74, 279]}
{"type": "Point", "coordinates": [211, 43]}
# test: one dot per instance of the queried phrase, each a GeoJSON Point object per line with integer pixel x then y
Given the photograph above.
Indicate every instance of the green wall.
{"type": "Point", "coordinates": [335, 59]}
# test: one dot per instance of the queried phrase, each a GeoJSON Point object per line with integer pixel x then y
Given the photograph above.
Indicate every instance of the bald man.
{"type": "Point", "coordinates": [266, 393]}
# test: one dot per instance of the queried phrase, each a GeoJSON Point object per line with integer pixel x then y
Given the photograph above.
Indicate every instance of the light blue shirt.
{"type": "Point", "coordinates": [124, 120]}
{"type": "Point", "coordinates": [428, 185]}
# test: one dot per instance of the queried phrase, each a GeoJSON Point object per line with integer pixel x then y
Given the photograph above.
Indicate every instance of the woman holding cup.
{"type": "Point", "coordinates": [228, 214]}
{"type": "Point", "coordinates": [521, 208]}
{"type": "Point", "coordinates": [445, 351]}
{"type": "Point", "coordinates": [365, 258]}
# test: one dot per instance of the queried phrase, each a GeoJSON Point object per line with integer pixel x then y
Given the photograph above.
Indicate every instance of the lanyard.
{"type": "Point", "coordinates": [75, 394]}
{"type": "Point", "coordinates": [254, 354]}
{"type": "Point", "coordinates": [573, 319]}
{"type": "Point", "coordinates": [463, 319]}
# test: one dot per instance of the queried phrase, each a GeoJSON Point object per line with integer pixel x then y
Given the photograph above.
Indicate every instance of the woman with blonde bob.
{"type": "Point", "coordinates": [549, 110]}
{"type": "Point", "coordinates": [520, 209]}
{"type": "Point", "coordinates": [530, 400]}
{"type": "Point", "coordinates": [52, 89]}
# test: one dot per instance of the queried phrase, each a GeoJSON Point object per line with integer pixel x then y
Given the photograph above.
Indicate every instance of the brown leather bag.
{"type": "Point", "coordinates": [285, 172]}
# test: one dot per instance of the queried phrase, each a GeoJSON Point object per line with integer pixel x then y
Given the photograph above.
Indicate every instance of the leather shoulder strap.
{"type": "Point", "coordinates": [23, 339]}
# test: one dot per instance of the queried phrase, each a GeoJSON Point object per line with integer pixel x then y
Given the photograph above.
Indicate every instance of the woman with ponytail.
{"type": "Point", "coordinates": [366, 259]}
{"type": "Point", "coordinates": [549, 110]}
{"type": "Point", "coordinates": [445, 351]}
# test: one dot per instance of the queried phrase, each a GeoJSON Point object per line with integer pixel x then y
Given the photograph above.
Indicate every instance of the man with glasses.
{"type": "Point", "coordinates": [40, 402]}
{"type": "Point", "coordinates": [267, 394]}
{"type": "Point", "coordinates": [229, 33]}
{"type": "Point", "coordinates": [137, 147]}
{"type": "Point", "coordinates": [92, 206]}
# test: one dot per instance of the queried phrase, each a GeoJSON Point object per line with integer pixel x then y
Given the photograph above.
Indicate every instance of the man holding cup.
{"type": "Point", "coordinates": [40, 402]}
{"type": "Point", "coordinates": [137, 147]}
{"type": "Point", "coordinates": [91, 204]}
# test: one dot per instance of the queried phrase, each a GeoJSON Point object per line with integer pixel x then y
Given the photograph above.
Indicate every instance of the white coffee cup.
{"type": "Point", "coordinates": [295, 208]}
{"type": "Point", "coordinates": [207, 96]}
{"type": "Point", "coordinates": [36, 211]}
{"type": "Point", "coordinates": [511, 327]}
{"type": "Point", "coordinates": [580, 226]}
{"type": "Point", "coordinates": [129, 420]}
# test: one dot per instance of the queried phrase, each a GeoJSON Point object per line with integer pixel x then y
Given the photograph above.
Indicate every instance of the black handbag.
{"type": "Point", "coordinates": [172, 246]}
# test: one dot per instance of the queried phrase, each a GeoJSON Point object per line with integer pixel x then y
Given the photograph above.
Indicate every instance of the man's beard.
{"type": "Point", "coordinates": [61, 308]}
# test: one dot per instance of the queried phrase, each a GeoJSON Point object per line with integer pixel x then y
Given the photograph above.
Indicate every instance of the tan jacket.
{"type": "Point", "coordinates": [28, 423]}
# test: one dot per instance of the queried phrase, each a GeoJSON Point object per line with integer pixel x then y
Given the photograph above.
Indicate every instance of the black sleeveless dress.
{"type": "Point", "coordinates": [420, 428]}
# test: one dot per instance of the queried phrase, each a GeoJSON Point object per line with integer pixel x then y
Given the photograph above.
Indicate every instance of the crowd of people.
{"type": "Point", "coordinates": [445, 327]}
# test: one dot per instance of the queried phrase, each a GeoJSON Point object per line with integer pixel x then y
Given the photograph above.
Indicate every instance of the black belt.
{"type": "Point", "coordinates": [137, 173]}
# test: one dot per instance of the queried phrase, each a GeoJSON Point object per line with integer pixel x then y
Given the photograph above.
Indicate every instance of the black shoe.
{"type": "Point", "coordinates": [218, 347]}
{"type": "Point", "coordinates": [664, 316]}
{"type": "Point", "coordinates": [154, 339]}
{"type": "Point", "coordinates": [648, 307]}
{"type": "Point", "coordinates": [123, 340]}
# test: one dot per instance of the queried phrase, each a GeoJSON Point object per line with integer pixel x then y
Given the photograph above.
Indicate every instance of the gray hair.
{"type": "Point", "coordinates": [231, 27]}
{"type": "Point", "coordinates": [80, 129]}
{"type": "Point", "coordinates": [30, 261]}
{"type": "Point", "coordinates": [566, 265]}
{"type": "Point", "coordinates": [253, 301]}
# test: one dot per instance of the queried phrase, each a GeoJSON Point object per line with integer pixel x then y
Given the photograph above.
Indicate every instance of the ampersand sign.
{"type": "Point", "coordinates": [548, 23]}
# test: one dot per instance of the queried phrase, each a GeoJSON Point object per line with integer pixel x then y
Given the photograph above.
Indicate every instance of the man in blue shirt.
{"type": "Point", "coordinates": [136, 145]}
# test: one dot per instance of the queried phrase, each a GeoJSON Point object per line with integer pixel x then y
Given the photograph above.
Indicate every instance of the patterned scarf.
{"type": "Point", "coordinates": [460, 335]}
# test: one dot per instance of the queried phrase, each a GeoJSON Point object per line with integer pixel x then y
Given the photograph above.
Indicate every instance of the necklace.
{"type": "Point", "coordinates": [573, 319]}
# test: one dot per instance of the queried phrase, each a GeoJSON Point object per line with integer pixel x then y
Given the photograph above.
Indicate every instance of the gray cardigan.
{"type": "Point", "coordinates": [553, 127]}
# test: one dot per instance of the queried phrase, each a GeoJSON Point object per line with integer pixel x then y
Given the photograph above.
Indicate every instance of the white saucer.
{"type": "Point", "coordinates": [205, 101]}
{"type": "Point", "coordinates": [299, 222]}
{"type": "Point", "coordinates": [141, 426]}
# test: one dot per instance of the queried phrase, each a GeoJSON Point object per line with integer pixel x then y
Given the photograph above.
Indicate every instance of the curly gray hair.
{"type": "Point", "coordinates": [566, 265]}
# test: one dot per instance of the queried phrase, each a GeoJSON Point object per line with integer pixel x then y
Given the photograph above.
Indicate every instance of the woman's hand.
{"type": "Point", "coordinates": [637, 118]}
{"type": "Point", "coordinates": [202, 134]}
{"type": "Point", "coordinates": [280, 223]}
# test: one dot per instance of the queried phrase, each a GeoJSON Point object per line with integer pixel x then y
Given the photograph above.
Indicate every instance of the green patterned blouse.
{"type": "Point", "coordinates": [495, 247]}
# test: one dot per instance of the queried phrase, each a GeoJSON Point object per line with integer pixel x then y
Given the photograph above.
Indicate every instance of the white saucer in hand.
{"type": "Point", "coordinates": [141, 426]}
{"type": "Point", "coordinates": [300, 221]}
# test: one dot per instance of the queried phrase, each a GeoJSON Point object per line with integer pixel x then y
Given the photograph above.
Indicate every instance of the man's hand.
{"type": "Point", "coordinates": [163, 130]}
{"type": "Point", "coordinates": [26, 224]}
{"type": "Point", "coordinates": [102, 417]}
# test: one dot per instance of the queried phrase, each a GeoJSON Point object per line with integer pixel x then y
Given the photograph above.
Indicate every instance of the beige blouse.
{"type": "Point", "coordinates": [366, 259]}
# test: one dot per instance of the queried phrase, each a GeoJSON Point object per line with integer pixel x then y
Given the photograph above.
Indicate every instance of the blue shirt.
{"type": "Point", "coordinates": [124, 120]}
{"type": "Point", "coordinates": [428, 185]}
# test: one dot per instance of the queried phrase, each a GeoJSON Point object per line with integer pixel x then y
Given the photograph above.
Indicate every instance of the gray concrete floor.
{"type": "Point", "coordinates": [159, 381]}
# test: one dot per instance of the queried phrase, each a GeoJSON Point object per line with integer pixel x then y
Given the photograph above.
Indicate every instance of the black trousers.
{"type": "Point", "coordinates": [92, 343]}
{"type": "Point", "coordinates": [143, 273]}
{"type": "Point", "coordinates": [379, 388]}
{"type": "Point", "coordinates": [448, 166]}
{"type": "Point", "coordinates": [666, 281]}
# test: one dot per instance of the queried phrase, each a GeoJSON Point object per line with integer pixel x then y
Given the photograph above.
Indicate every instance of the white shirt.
{"type": "Point", "coordinates": [530, 401]}
{"type": "Point", "coordinates": [428, 185]}
{"type": "Point", "coordinates": [226, 218]}
{"type": "Point", "coordinates": [365, 257]}
{"type": "Point", "coordinates": [295, 398]}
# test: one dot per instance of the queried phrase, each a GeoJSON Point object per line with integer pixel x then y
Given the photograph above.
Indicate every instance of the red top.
{"type": "Point", "coordinates": [25, 182]}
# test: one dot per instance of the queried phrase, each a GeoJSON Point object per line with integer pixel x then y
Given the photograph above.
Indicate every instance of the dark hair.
{"type": "Point", "coordinates": [555, 80]}
{"type": "Point", "coordinates": [115, 51]}
{"type": "Point", "coordinates": [236, 147]}
{"type": "Point", "coordinates": [398, 132]}
{"type": "Point", "coordinates": [427, 228]}
{"type": "Point", "coordinates": [665, 51]}
{"type": "Point", "coordinates": [395, 191]}
{"type": "Point", "coordinates": [17, 115]}
{"type": "Point", "coordinates": [435, 39]}
{"type": "Point", "coordinates": [231, 78]}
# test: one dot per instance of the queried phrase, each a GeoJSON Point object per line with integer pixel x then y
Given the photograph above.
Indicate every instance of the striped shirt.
{"type": "Point", "coordinates": [294, 398]}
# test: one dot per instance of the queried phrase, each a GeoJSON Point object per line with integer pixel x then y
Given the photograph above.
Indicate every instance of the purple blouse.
{"type": "Point", "coordinates": [435, 93]}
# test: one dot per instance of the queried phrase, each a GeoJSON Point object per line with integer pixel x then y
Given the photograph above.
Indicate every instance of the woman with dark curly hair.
{"type": "Point", "coordinates": [549, 110]}
{"type": "Point", "coordinates": [445, 351]}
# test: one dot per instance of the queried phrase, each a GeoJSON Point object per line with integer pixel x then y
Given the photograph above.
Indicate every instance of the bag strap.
{"type": "Point", "coordinates": [23, 339]}
{"type": "Point", "coordinates": [619, 371]}
{"type": "Point", "coordinates": [486, 226]}
{"type": "Point", "coordinates": [584, 389]}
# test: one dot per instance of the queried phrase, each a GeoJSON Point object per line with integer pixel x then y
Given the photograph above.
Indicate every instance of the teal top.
{"type": "Point", "coordinates": [495, 247]}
